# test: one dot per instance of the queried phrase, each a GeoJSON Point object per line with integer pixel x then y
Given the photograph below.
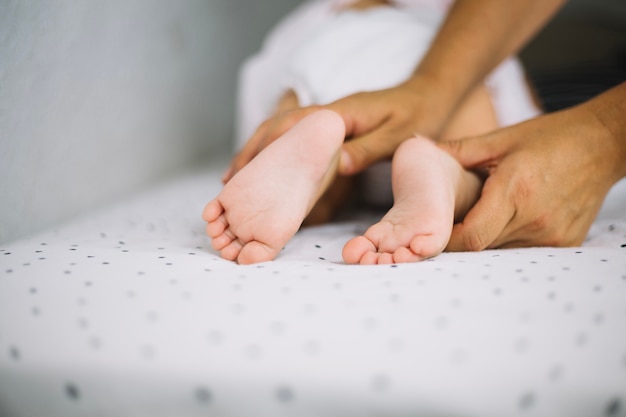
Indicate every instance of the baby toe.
{"type": "Point", "coordinates": [355, 248]}
{"type": "Point", "coordinates": [212, 210]}
{"type": "Point", "coordinates": [231, 251]}
{"type": "Point", "coordinates": [216, 227]}
{"type": "Point", "coordinates": [405, 255]}
{"type": "Point", "coordinates": [221, 241]}
{"type": "Point", "coordinates": [427, 246]}
{"type": "Point", "coordinates": [254, 252]}
{"type": "Point", "coordinates": [385, 258]}
{"type": "Point", "coordinates": [369, 258]}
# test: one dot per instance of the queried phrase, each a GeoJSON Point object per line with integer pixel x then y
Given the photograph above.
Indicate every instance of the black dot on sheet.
{"type": "Point", "coordinates": [318, 246]}
{"type": "Point", "coordinates": [312, 348]}
{"type": "Point", "coordinates": [237, 309]}
{"type": "Point", "coordinates": [148, 352]}
{"type": "Point", "coordinates": [152, 317]}
{"type": "Point", "coordinates": [522, 345]}
{"type": "Point", "coordinates": [278, 328]}
{"type": "Point", "coordinates": [215, 337]}
{"type": "Point", "coordinates": [284, 394]}
{"type": "Point", "coordinates": [253, 351]}
{"type": "Point", "coordinates": [83, 323]}
{"type": "Point", "coordinates": [441, 323]}
{"type": "Point", "coordinates": [95, 343]}
{"type": "Point", "coordinates": [380, 382]}
{"type": "Point", "coordinates": [598, 319]}
{"type": "Point", "coordinates": [203, 395]}
{"type": "Point", "coordinates": [14, 353]}
{"type": "Point", "coordinates": [370, 323]}
{"type": "Point", "coordinates": [613, 408]}
{"type": "Point", "coordinates": [555, 373]}
{"type": "Point", "coordinates": [72, 392]}
{"type": "Point", "coordinates": [526, 401]}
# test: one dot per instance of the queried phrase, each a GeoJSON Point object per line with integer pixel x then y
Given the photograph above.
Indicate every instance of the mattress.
{"type": "Point", "coordinates": [129, 312]}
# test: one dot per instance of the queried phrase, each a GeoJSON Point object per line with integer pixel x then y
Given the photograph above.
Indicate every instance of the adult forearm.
{"type": "Point", "coordinates": [476, 36]}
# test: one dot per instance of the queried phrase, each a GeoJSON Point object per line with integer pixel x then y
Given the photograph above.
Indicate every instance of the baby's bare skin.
{"type": "Point", "coordinates": [430, 189]}
{"type": "Point", "coordinates": [262, 207]}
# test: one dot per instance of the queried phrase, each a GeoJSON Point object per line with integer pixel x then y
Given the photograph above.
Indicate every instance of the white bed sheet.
{"type": "Point", "coordinates": [128, 312]}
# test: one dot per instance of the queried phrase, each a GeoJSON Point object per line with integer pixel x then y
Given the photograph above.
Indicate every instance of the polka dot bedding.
{"type": "Point", "coordinates": [128, 312]}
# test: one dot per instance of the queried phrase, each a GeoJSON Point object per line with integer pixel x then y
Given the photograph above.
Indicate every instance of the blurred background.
{"type": "Point", "coordinates": [99, 100]}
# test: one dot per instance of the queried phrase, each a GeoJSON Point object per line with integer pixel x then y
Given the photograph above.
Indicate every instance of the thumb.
{"type": "Point", "coordinates": [475, 152]}
{"type": "Point", "coordinates": [360, 153]}
{"type": "Point", "coordinates": [485, 222]}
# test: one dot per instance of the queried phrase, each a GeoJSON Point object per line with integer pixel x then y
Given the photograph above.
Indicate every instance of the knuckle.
{"type": "Point", "coordinates": [539, 224]}
{"type": "Point", "coordinates": [473, 241]}
{"type": "Point", "coordinates": [558, 238]}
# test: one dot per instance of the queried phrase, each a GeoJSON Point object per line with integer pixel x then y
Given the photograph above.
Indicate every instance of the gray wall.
{"type": "Point", "coordinates": [100, 98]}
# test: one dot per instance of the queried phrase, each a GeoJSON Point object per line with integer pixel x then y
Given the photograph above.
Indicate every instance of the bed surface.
{"type": "Point", "coordinates": [128, 312]}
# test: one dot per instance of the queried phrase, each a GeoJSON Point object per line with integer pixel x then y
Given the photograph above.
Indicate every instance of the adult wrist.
{"type": "Point", "coordinates": [609, 110]}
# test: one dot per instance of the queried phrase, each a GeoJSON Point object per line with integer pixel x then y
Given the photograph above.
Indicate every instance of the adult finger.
{"type": "Point", "coordinates": [485, 222]}
{"type": "Point", "coordinates": [477, 151]}
{"type": "Point", "coordinates": [360, 153]}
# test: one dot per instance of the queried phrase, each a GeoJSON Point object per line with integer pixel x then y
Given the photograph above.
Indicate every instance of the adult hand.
{"type": "Point", "coordinates": [376, 123]}
{"type": "Point", "coordinates": [547, 178]}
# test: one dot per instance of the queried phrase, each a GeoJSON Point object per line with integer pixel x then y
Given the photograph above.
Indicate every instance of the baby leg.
{"type": "Point", "coordinates": [430, 191]}
{"type": "Point", "coordinates": [264, 204]}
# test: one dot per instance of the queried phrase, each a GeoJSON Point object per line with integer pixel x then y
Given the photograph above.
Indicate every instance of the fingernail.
{"type": "Point", "coordinates": [345, 162]}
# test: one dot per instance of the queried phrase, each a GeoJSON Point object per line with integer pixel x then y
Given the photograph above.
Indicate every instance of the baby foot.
{"type": "Point", "coordinates": [264, 204]}
{"type": "Point", "coordinates": [429, 188]}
